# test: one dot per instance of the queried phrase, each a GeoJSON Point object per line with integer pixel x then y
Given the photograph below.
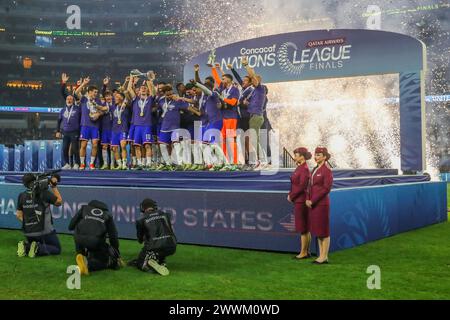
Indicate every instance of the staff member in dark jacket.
{"type": "Point", "coordinates": [154, 229]}
{"type": "Point", "coordinates": [299, 185]}
{"type": "Point", "coordinates": [33, 210]}
{"type": "Point", "coordinates": [93, 224]}
{"type": "Point", "coordinates": [68, 127]}
{"type": "Point", "coordinates": [319, 202]}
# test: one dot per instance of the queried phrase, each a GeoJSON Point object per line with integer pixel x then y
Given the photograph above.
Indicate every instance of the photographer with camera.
{"type": "Point", "coordinates": [154, 229]}
{"type": "Point", "coordinates": [33, 210]}
{"type": "Point", "coordinates": [93, 224]}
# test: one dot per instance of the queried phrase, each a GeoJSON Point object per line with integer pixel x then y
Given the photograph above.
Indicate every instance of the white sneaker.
{"type": "Point", "coordinates": [76, 167]}
{"type": "Point", "coordinates": [162, 270]}
{"type": "Point", "coordinates": [265, 166]}
{"type": "Point", "coordinates": [66, 167]}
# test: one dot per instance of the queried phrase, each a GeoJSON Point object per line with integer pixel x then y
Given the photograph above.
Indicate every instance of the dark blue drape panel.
{"type": "Point", "coordinates": [210, 180]}
{"type": "Point", "coordinates": [411, 146]}
{"type": "Point", "coordinates": [256, 220]}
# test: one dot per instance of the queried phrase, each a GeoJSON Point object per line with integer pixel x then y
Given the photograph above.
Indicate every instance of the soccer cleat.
{"type": "Point", "coordinates": [76, 167]}
{"type": "Point", "coordinates": [66, 167]}
{"type": "Point", "coordinates": [162, 270]}
{"type": "Point", "coordinates": [92, 166]}
{"type": "Point", "coordinates": [33, 249]}
{"type": "Point", "coordinates": [121, 263]}
{"type": "Point", "coordinates": [266, 166]}
{"type": "Point", "coordinates": [104, 167]}
{"type": "Point", "coordinates": [82, 166]}
{"type": "Point", "coordinates": [227, 167]}
{"type": "Point", "coordinates": [82, 264]}
{"type": "Point", "coordinates": [21, 249]}
{"type": "Point", "coordinates": [258, 166]}
{"type": "Point", "coordinates": [216, 168]}
{"type": "Point", "coordinates": [160, 167]}
{"type": "Point", "coordinates": [116, 168]}
{"type": "Point", "coordinates": [234, 167]}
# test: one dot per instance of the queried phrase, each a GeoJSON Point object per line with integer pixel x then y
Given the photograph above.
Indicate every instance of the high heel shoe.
{"type": "Point", "coordinates": [323, 262]}
{"type": "Point", "coordinates": [302, 258]}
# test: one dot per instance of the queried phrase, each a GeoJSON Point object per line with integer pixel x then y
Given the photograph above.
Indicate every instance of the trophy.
{"type": "Point", "coordinates": [150, 75]}
{"type": "Point", "coordinates": [212, 58]}
{"type": "Point", "coordinates": [93, 113]}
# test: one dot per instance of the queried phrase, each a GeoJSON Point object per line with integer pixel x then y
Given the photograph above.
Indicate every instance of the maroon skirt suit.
{"type": "Point", "coordinates": [319, 190]}
{"type": "Point", "coordinates": [299, 186]}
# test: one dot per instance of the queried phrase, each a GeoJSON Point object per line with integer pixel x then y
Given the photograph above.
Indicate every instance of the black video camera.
{"type": "Point", "coordinates": [41, 181]}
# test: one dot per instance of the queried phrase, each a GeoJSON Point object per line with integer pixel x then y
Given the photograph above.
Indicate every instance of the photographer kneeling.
{"type": "Point", "coordinates": [154, 229]}
{"type": "Point", "coordinates": [33, 210]}
{"type": "Point", "coordinates": [92, 225]}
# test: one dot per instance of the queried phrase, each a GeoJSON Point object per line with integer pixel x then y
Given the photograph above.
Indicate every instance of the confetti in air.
{"type": "Point", "coordinates": [353, 116]}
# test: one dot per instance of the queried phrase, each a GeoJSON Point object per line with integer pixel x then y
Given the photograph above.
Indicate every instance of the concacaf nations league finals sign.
{"type": "Point", "coordinates": [322, 54]}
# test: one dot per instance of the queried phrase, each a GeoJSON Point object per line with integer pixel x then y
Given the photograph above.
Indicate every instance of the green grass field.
{"type": "Point", "coordinates": [414, 265]}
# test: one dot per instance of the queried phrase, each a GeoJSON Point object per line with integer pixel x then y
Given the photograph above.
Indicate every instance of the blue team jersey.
{"type": "Point", "coordinates": [245, 94]}
{"type": "Point", "coordinates": [86, 108]}
{"type": "Point", "coordinates": [107, 118]}
{"type": "Point", "coordinates": [70, 116]}
{"type": "Point", "coordinates": [257, 100]}
{"type": "Point", "coordinates": [170, 113]}
{"type": "Point", "coordinates": [211, 107]}
{"type": "Point", "coordinates": [230, 93]}
{"type": "Point", "coordinates": [142, 111]}
{"type": "Point", "coordinates": [120, 118]}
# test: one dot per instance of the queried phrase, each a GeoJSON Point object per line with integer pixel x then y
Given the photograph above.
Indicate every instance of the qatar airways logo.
{"type": "Point", "coordinates": [318, 55]}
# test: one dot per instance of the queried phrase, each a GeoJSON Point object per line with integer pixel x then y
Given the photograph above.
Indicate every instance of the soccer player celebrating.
{"type": "Point", "coordinates": [90, 113]}
{"type": "Point", "coordinates": [171, 106]}
{"type": "Point", "coordinates": [198, 98]}
{"type": "Point", "coordinates": [106, 129]}
{"type": "Point", "coordinates": [211, 104]}
{"type": "Point", "coordinates": [130, 136]}
{"type": "Point", "coordinates": [142, 119]}
{"type": "Point", "coordinates": [255, 108]}
{"type": "Point", "coordinates": [244, 117]}
{"type": "Point", "coordinates": [185, 123]}
{"type": "Point", "coordinates": [230, 96]}
{"type": "Point", "coordinates": [156, 123]}
{"type": "Point", "coordinates": [188, 120]}
{"type": "Point", "coordinates": [120, 110]}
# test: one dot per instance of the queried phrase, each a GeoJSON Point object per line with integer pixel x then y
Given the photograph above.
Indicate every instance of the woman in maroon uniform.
{"type": "Point", "coordinates": [319, 202]}
{"type": "Point", "coordinates": [297, 195]}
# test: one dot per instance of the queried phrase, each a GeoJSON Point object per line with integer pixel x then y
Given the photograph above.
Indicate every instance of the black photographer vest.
{"type": "Point", "coordinates": [34, 211]}
{"type": "Point", "coordinates": [93, 222]}
{"type": "Point", "coordinates": [159, 233]}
